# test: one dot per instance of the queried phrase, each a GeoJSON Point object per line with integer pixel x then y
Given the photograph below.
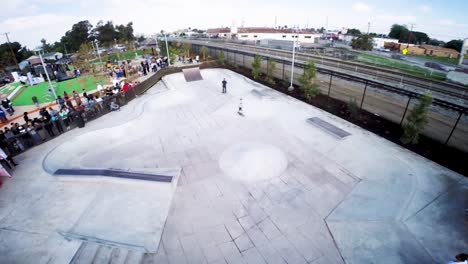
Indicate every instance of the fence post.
{"type": "Point", "coordinates": [455, 126]}
{"type": "Point", "coordinates": [364, 94]}
{"type": "Point", "coordinates": [243, 59]}
{"type": "Point", "coordinates": [406, 109]}
{"type": "Point", "coordinates": [330, 84]}
{"type": "Point", "coordinates": [283, 69]}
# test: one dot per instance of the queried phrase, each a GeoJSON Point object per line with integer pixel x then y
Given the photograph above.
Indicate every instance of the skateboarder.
{"type": "Point", "coordinates": [224, 82]}
{"type": "Point", "coordinates": [240, 108]}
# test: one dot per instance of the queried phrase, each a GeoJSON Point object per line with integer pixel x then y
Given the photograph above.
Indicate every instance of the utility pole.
{"type": "Point", "coordinates": [463, 51]}
{"type": "Point", "coordinates": [409, 35]}
{"type": "Point", "coordinates": [368, 27]}
{"type": "Point", "coordinates": [51, 87]}
{"type": "Point", "coordinates": [11, 49]}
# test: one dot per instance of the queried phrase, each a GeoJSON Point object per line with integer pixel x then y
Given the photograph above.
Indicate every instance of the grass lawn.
{"type": "Point", "coordinates": [453, 61]}
{"type": "Point", "coordinates": [403, 66]}
{"type": "Point", "coordinates": [41, 90]}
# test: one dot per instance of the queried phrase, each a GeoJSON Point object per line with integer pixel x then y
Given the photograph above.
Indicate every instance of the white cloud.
{"type": "Point", "coordinates": [361, 7]}
{"type": "Point", "coordinates": [425, 9]}
{"type": "Point", "coordinates": [28, 30]}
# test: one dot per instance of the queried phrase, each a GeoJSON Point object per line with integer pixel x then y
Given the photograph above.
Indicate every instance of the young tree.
{"type": "Point", "coordinates": [307, 81]}
{"type": "Point", "coordinates": [186, 49]}
{"type": "Point", "coordinates": [85, 54]}
{"type": "Point", "coordinates": [221, 57]}
{"type": "Point", "coordinates": [204, 51]}
{"type": "Point", "coordinates": [270, 71]}
{"type": "Point", "coordinates": [416, 120]}
{"type": "Point", "coordinates": [256, 64]}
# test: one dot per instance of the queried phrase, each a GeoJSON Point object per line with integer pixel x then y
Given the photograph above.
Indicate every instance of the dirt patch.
{"type": "Point", "coordinates": [447, 156]}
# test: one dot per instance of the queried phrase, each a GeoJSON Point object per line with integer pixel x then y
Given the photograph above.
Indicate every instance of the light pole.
{"type": "Point", "coordinates": [291, 87]}
{"type": "Point", "coordinates": [463, 51]}
{"type": "Point", "coordinates": [51, 87]}
{"type": "Point", "coordinates": [99, 54]}
{"type": "Point", "coordinates": [167, 51]}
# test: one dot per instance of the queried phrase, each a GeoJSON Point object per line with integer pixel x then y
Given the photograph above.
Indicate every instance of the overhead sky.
{"type": "Point", "coordinates": [28, 21]}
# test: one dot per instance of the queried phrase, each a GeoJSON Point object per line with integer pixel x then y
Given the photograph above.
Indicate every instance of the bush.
{"type": "Point", "coordinates": [271, 69]}
{"type": "Point", "coordinates": [417, 120]}
{"type": "Point", "coordinates": [222, 58]}
{"type": "Point", "coordinates": [307, 81]}
{"type": "Point", "coordinates": [256, 64]}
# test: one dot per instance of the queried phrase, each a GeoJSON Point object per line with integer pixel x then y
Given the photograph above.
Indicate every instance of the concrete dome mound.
{"type": "Point", "coordinates": [251, 161]}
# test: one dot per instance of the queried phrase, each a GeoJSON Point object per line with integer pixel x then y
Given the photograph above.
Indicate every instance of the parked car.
{"type": "Point", "coordinates": [434, 65]}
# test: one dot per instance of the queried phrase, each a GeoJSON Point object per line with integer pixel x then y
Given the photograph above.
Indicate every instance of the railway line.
{"type": "Point", "coordinates": [450, 91]}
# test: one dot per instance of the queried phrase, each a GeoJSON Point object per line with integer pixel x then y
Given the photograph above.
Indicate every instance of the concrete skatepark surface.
{"type": "Point", "coordinates": [268, 187]}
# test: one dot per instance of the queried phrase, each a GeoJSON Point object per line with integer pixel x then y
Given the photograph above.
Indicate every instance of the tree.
{"type": "Point", "coordinates": [271, 70]}
{"type": "Point", "coordinates": [256, 64]}
{"type": "Point", "coordinates": [455, 44]}
{"type": "Point", "coordinates": [307, 81]}
{"type": "Point", "coordinates": [141, 38]}
{"type": "Point", "coordinates": [436, 42]}
{"type": "Point", "coordinates": [105, 33]}
{"type": "Point", "coordinates": [354, 32]}
{"type": "Point", "coordinates": [204, 51]}
{"type": "Point", "coordinates": [162, 47]}
{"type": "Point", "coordinates": [20, 53]}
{"type": "Point", "coordinates": [419, 37]}
{"type": "Point", "coordinates": [399, 32]}
{"type": "Point", "coordinates": [417, 120]}
{"type": "Point", "coordinates": [79, 34]}
{"type": "Point", "coordinates": [85, 54]}
{"type": "Point", "coordinates": [46, 47]}
{"type": "Point", "coordinates": [221, 57]}
{"type": "Point", "coordinates": [186, 49]}
{"type": "Point", "coordinates": [363, 42]}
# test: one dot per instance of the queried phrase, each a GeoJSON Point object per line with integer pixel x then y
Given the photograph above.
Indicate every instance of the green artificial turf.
{"type": "Point", "coordinates": [41, 90]}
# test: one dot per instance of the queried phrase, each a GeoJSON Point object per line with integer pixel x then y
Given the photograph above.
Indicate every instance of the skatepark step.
{"type": "Point", "coordinates": [327, 127]}
{"type": "Point", "coordinates": [114, 173]}
{"type": "Point", "coordinates": [96, 253]}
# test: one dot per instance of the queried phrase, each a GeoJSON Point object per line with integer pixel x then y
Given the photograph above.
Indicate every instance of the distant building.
{"type": "Point", "coordinates": [52, 56]}
{"type": "Point", "coordinates": [379, 43]}
{"type": "Point", "coordinates": [428, 50]}
{"type": "Point", "coordinates": [261, 33]}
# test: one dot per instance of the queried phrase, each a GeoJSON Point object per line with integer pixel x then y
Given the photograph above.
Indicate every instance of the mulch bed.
{"type": "Point", "coordinates": [447, 156]}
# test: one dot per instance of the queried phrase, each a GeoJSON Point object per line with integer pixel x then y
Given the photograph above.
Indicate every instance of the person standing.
{"type": "Point", "coordinates": [35, 101]}
{"type": "Point", "coordinates": [224, 82]}
{"type": "Point", "coordinates": [64, 116]}
{"type": "Point", "coordinates": [55, 119]}
{"type": "Point", "coordinates": [60, 101]}
{"type": "Point", "coordinates": [240, 107]}
{"type": "Point", "coordinates": [144, 68]}
{"type": "Point", "coordinates": [5, 156]}
{"type": "Point", "coordinates": [6, 103]}
{"type": "Point", "coordinates": [3, 116]}
{"type": "Point", "coordinates": [76, 97]}
{"type": "Point", "coordinates": [26, 117]}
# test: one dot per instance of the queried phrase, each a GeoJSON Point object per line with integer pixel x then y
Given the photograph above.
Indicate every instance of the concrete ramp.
{"type": "Point", "coordinates": [192, 74]}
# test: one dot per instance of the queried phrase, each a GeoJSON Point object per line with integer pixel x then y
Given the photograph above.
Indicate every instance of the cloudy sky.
{"type": "Point", "coordinates": [27, 21]}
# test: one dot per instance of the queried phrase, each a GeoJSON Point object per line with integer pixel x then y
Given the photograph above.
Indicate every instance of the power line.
{"type": "Point", "coordinates": [11, 50]}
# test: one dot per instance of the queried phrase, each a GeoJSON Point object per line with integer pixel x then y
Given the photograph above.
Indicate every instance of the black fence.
{"type": "Point", "coordinates": [239, 58]}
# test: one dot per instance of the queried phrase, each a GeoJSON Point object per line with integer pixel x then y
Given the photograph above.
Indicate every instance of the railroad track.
{"type": "Point", "coordinates": [399, 79]}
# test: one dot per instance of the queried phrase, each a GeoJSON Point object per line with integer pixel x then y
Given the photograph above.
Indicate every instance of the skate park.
{"type": "Point", "coordinates": [283, 183]}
